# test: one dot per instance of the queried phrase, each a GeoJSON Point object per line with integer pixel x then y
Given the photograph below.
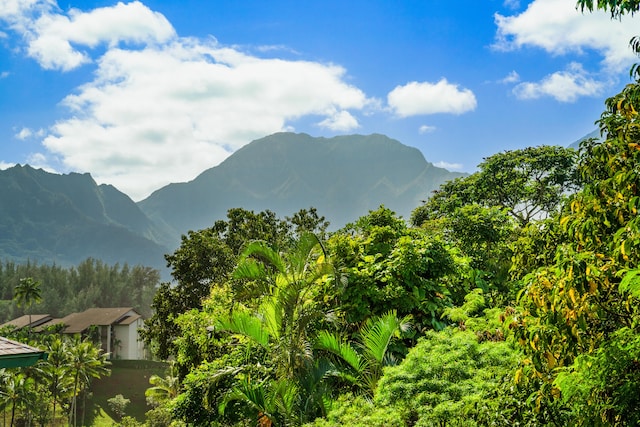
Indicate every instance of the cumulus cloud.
{"type": "Point", "coordinates": [449, 166]}
{"type": "Point", "coordinates": [341, 121]}
{"type": "Point", "coordinates": [161, 108]}
{"type": "Point", "coordinates": [512, 4]}
{"type": "Point", "coordinates": [512, 77]}
{"type": "Point", "coordinates": [421, 98]}
{"type": "Point", "coordinates": [14, 11]}
{"type": "Point", "coordinates": [164, 114]}
{"type": "Point", "coordinates": [54, 37]}
{"type": "Point", "coordinates": [5, 165]}
{"type": "Point", "coordinates": [426, 129]}
{"type": "Point", "coordinates": [40, 161]}
{"type": "Point", "coordinates": [558, 28]}
{"type": "Point", "coordinates": [26, 133]}
{"type": "Point", "coordinates": [564, 86]}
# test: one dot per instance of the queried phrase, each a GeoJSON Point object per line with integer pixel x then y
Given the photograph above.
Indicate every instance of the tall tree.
{"type": "Point", "coordinates": [386, 266]}
{"type": "Point", "coordinates": [85, 362]}
{"type": "Point", "coordinates": [17, 392]}
{"type": "Point", "coordinates": [206, 259]}
{"type": "Point", "coordinates": [580, 311]}
{"type": "Point", "coordinates": [286, 286]}
{"type": "Point", "coordinates": [27, 293]}
{"type": "Point", "coordinates": [529, 184]}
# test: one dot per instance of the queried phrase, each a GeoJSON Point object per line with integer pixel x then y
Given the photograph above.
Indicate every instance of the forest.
{"type": "Point", "coordinates": [511, 297]}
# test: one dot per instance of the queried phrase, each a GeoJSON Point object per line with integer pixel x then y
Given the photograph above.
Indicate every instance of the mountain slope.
{"type": "Point", "coordinates": [343, 177]}
{"type": "Point", "coordinates": [65, 219]}
{"type": "Point", "coordinates": [595, 134]}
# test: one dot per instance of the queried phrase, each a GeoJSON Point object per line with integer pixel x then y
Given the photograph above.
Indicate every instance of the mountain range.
{"type": "Point", "coordinates": [64, 219]}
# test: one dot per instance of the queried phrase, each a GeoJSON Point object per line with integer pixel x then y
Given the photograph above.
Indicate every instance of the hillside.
{"type": "Point", "coordinates": [64, 219]}
{"type": "Point", "coordinates": [343, 177]}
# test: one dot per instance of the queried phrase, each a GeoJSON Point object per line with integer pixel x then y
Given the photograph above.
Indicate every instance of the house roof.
{"type": "Point", "coordinates": [129, 319]}
{"type": "Point", "coordinates": [14, 354]}
{"type": "Point", "coordinates": [22, 321]}
{"type": "Point", "coordinates": [78, 322]}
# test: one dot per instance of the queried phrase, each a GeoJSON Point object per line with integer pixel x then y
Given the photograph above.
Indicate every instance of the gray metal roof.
{"type": "Point", "coordinates": [15, 354]}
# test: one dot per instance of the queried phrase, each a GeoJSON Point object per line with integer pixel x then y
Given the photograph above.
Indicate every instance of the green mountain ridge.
{"type": "Point", "coordinates": [64, 219]}
{"type": "Point", "coordinates": [343, 177]}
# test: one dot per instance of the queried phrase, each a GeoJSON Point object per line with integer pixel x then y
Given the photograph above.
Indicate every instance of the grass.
{"type": "Point", "coordinates": [129, 378]}
{"type": "Point", "coordinates": [103, 420]}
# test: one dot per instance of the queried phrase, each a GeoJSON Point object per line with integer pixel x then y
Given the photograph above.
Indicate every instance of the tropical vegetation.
{"type": "Point", "coordinates": [510, 297]}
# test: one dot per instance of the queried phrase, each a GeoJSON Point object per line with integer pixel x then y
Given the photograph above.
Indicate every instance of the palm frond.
{"type": "Point", "coordinates": [249, 269]}
{"type": "Point", "coordinates": [377, 333]}
{"type": "Point", "coordinates": [252, 394]}
{"type": "Point", "coordinates": [285, 399]}
{"type": "Point", "coordinates": [214, 381]}
{"type": "Point", "coordinates": [262, 252]}
{"type": "Point", "coordinates": [336, 345]}
{"type": "Point", "coordinates": [245, 324]}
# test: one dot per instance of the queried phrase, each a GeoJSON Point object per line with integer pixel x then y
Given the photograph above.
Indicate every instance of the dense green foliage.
{"type": "Point", "coordinates": [528, 184]}
{"type": "Point", "coordinates": [383, 265]}
{"type": "Point", "coordinates": [523, 302]}
{"type": "Point", "coordinates": [66, 290]}
{"type": "Point", "coordinates": [512, 299]}
{"type": "Point", "coordinates": [54, 389]}
{"type": "Point", "coordinates": [205, 260]}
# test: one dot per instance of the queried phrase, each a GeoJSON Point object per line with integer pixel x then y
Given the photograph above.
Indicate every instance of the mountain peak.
{"type": "Point", "coordinates": [340, 176]}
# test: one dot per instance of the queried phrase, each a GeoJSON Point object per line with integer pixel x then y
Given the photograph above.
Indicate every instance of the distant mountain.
{"type": "Point", "coordinates": [343, 177]}
{"type": "Point", "coordinates": [576, 144]}
{"type": "Point", "coordinates": [64, 219]}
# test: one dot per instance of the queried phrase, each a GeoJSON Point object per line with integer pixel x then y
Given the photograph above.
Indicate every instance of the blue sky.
{"type": "Point", "coordinates": [144, 93]}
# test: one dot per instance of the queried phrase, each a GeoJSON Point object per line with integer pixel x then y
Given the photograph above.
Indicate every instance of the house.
{"type": "Point", "coordinates": [115, 328]}
{"type": "Point", "coordinates": [23, 321]}
{"type": "Point", "coordinates": [14, 354]}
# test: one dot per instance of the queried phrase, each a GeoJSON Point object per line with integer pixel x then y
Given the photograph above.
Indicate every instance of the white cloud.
{"type": "Point", "coordinates": [4, 74]}
{"type": "Point", "coordinates": [564, 86]}
{"type": "Point", "coordinates": [40, 161]}
{"type": "Point", "coordinates": [340, 121]}
{"type": "Point", "coordinates": [53, 39]}
{"type": "Point", "coordinates": [165, 113]}
{"type": "Point", "coordinates": [512, 4]}
{"type": "Point", "coordinates": [418, 98]}
{"type": "Point", "coordinates": [161, 108]}
{"type": "Point", "coordinates": [14, 10]}
{"type": "Point", "coordinates": [426, 129]}
{"type": "Point", "coordinates": [449, 166]}
{"type": "Point", "coordinates": [558, 28]}
{"type": "Point", "coordinates": [26, 133]}
{"type": "Point", "coordinates": [5, 165]}
{"type": "Point", "coordinates": [512, 77]}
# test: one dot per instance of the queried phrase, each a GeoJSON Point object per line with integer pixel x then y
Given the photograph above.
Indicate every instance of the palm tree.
{"type": "Point", "coordinates": [85, 362]}
{"type": "Point", "coordinates": [4, 378]}
{"type": "Point", "coordinates": [163, 388]}
{"type": "Point", "coordinates": [365, 359]}
{"type": "Point", "coordinates": [27, 293]}
{"type": "Point", "coordinates": [55, 370]}
{"type": "Point", "coordinates": [285, 285]}
{"type": "Point", "coordinates": [18, 392]}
